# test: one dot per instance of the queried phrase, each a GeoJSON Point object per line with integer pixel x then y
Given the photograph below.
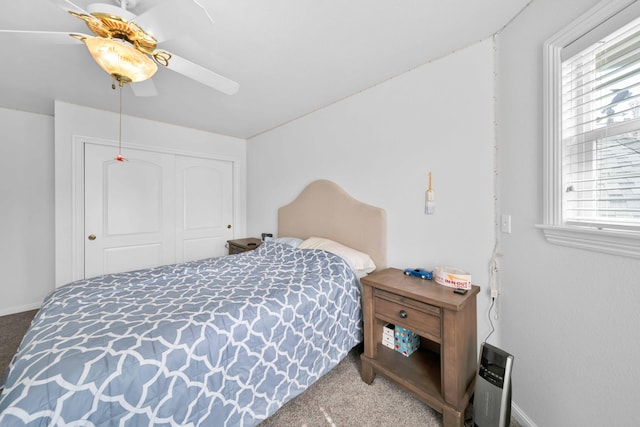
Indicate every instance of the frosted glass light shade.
{"type": "Point", "coordinates": [123, 62]}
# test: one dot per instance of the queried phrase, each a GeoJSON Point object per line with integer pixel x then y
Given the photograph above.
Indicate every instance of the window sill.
{"type": "Point", "coordinates": [625, 243]}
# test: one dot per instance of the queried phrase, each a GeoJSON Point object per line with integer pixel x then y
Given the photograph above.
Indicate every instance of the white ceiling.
{"type": "Point", "coordinates": [290, 57]}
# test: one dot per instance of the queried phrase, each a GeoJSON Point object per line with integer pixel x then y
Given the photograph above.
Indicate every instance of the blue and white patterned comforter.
{"type": "Point", "coordinates": [222, 341]}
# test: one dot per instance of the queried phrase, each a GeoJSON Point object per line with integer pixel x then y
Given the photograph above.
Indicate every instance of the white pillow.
{"type": "Point", "coordinates": [361, 263]}
{"type": "Point", "coordinates": [294, 242]}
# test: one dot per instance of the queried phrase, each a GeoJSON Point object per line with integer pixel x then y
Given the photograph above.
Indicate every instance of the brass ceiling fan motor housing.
{"type": "Point", "coordinates": [114, 27]}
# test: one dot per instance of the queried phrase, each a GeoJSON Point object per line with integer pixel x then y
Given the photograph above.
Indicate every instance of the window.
{"type": "Point", "coordinates": [592, 131]}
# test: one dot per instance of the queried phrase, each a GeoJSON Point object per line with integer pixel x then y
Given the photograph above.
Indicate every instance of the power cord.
{"type": "Point", "coordinates": [493, 300]}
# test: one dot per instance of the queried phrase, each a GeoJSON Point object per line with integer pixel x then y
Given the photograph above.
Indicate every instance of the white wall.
{"type": "Point", "coordinates": [569, 316]}
{"type": "Point", "coordinates": [26, 210]}
{"type": "Point", "coordinates": [379, 146]}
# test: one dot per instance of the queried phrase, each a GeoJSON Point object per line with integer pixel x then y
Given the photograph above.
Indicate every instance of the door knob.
{"type": "Point", "coordinates": [92, 237]}
{"type": "Point", "coordinates": [228, 225]}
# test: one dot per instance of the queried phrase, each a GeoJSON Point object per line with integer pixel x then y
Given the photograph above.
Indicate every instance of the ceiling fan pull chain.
{"type": "Point", "coordinates": [119, 156]}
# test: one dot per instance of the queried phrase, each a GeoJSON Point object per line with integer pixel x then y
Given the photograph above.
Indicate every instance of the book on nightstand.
{"type": "Point", "coordinates": [388, 336]}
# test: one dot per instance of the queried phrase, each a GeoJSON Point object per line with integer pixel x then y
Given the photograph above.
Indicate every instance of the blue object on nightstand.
{"type": "Point", "coordinates": [418, 272]}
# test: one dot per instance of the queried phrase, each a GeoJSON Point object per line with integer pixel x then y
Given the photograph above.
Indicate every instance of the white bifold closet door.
{"type": "Point", "coordinates": [204, 207]}
{"type": "Point", "coordinates": [153, 209]}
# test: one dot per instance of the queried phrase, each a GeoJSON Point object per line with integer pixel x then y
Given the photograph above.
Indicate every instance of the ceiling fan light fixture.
{"type": "Point", "coordinates": [123, 62]}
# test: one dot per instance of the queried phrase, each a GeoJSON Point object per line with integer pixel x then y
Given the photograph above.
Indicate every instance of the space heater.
{"type": "Point", "coordinates": [492, 396]}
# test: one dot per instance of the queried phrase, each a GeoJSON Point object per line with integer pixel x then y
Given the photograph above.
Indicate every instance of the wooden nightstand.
{"type": "Point", "coordinates": [242, 245]}
{"type": "Point", "coordinates": [442, 371]}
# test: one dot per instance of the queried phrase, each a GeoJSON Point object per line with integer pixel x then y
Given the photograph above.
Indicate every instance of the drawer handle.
{"type": "Point", "coordinates": [403, 314]}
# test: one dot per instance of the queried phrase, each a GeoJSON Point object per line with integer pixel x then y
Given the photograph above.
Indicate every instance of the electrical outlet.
{"type": "Point", "coordinates": [494, 293]}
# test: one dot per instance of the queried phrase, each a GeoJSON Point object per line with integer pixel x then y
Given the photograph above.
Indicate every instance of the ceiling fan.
{"type": "Point", "coordinates": [129, 53]}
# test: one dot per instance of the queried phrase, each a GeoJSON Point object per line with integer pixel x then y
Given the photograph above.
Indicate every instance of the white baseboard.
{"type": "Point", "coordinates": [521, 417]}
{"type": "Point", "coordinates": [19, 309]}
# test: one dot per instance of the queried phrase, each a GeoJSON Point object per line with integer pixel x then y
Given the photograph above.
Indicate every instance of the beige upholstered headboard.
{"type": "Point", "coordinates": [323, 209]}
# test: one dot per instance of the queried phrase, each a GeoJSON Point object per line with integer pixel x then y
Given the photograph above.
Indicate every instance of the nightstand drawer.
{"type": "Point", "coordinates": [421, 318]}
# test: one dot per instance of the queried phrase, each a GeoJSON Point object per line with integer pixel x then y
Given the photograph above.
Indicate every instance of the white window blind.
{"type": "Point", "coordinates": [601, 132]}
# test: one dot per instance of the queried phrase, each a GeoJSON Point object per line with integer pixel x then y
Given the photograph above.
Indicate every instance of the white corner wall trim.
{"type": "Point", "coordinates": [20, 308]}
{"type": "Point", "coordinates": [521, 417]}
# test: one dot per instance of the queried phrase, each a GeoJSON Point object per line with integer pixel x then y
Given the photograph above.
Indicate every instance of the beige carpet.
{"type": "Point", "coordinates": [12, 329]}
{"type": "Point", "coordinates": [341, 398]}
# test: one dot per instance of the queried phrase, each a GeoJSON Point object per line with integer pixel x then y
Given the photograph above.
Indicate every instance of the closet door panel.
{"type": "Point", "coordinates": [129, 213]}
{"type": "Point", "coordinates": [204, 202]}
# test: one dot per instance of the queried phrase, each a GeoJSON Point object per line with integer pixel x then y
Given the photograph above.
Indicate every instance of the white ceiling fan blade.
{"type": "Point", "coordinates": [144, 88]}
{"type": "Point", "coordinates": [53, 37]}
{"type": "Point", "coordinates": [69, 5]}
{"type": "Point", "coordinates": [111, 9]}
{"type": "Point", "coordinates": [168, 21]}
{"type": "Point", "coordinates": [203, 75]}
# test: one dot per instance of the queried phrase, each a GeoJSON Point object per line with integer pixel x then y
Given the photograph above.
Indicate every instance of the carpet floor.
{"type": "Point", "coordinates": [12, 329]}
{"type": "Point", "coordinates": [341, 398]}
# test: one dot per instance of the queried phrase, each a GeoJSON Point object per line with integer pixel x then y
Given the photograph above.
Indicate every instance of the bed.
{"type": "Point", "coordinates": [220, 341]}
